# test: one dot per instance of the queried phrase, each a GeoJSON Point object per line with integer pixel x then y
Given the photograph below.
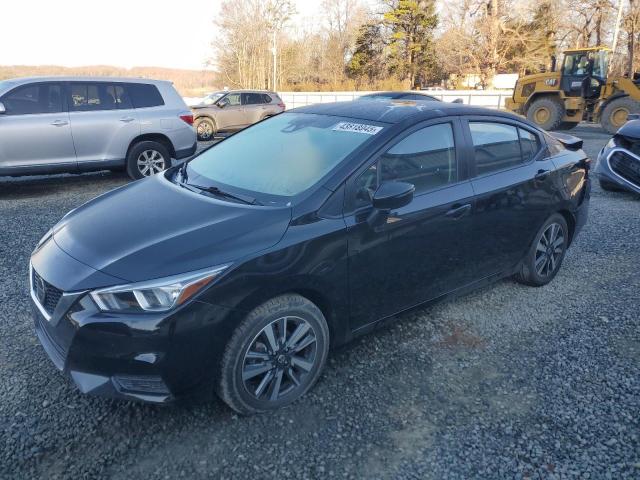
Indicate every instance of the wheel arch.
{"type": "Point", "coordinates": [153, 137]}
{"type": "Point", "coordinates": [571, 223]}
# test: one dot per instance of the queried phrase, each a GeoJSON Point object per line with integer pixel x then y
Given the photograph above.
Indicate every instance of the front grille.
{"type": "Point", "coordinates": [626, 166]}
{"type": "Point", "coordinates": [56, 351]}
{"type": "Point", "coordinates": [47, 294]}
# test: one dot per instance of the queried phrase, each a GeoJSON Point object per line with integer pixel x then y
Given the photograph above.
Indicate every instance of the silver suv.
{"type": "Point", "coordinates": [233, 110]}
{"type": "Point", "coordinates": [71, 124]}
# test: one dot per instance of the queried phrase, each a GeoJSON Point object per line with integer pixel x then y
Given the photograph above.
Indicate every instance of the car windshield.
{"type": "Point", "coordinates": [377, 97]}
{"type": "Point", "coordinates": [282, 156]}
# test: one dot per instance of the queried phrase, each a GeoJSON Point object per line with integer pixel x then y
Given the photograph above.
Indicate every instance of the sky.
{"type": "Point", "coordinates": [123, 33]}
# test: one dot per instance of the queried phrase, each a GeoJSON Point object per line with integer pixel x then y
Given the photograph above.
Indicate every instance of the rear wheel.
{"type": "Point", "coordinates": [205, 129]}
{"type": "Point", "coordinates": [616, 112]}
{"type": "Point", "coordinates": [147, 158]}
{"type": "Point", "coordinates": [544, 258]}
{"type": "Point", "coordinates": [274, 356]}
{"type": "Point", "coordinates": [546, 112]}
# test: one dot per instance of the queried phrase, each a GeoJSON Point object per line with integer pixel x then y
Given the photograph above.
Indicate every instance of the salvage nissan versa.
{"type": "Point", "coordinates": [294, 235]}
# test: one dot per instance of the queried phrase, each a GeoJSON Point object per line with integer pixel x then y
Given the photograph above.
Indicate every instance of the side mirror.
{"type": "Point", "coordinates": [2, 109]}
{"type": "Point", "coordinates": [222, 103]}
{"type": "Point", "coordinates": [393, 195]}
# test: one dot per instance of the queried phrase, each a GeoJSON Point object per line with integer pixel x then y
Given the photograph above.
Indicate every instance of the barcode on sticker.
{"type": "Point", "coordinates": [357, 128]}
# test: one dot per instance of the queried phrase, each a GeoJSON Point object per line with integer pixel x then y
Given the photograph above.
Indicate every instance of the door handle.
{"type": "Point", "coordinates": [59, 123]}
{"type": "Point", "coordinates": [542, 174]}
{"type": "Point", "coordinates": [459, 211]}
{"type": "Point", "coordinates": [127, 119]}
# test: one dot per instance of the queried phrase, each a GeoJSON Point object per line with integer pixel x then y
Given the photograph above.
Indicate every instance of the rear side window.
{"type": "Point", "coordinates": [123, 100]}
{"type": "Point", "coordinates": [92, 97]}
{"type": "Point", "coordinates": [144, 95]}
{"type": "Point", "coordinates": [426, 159]}
{"type": "Point", "coordinates": [32, 99]}
{"type": "Point", "coordinates": [252, 98]}
{"type": "Point", "coordinates": [496, 146]}
{"type": "Point", "coordinates": [266, 98]}
{"type": "Point", "coordinates": [529, 143]}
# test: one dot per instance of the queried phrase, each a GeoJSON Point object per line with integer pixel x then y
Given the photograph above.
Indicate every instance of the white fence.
{"type": "Point", "coordinates": [479, 98]}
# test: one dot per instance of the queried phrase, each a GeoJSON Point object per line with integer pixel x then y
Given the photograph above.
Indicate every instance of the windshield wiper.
{"type": "Point", "coordinates": [221, 193]}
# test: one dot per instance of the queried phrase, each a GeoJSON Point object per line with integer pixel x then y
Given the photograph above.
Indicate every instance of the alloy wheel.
{"type": "Point", "coordinates": [549, 250]}
{"type": "Point", "coordinates": [150, 162]}
{"type": "Point", "coordinates": [279, 358]}
{"type": "Point", "coordinates": [205, 130]}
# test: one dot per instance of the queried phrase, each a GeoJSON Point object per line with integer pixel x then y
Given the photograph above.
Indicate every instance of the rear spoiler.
{"type": "Point", "coordinates": [569, 141]}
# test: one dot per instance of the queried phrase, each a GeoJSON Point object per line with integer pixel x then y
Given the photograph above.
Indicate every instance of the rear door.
{"type": "Point", "coordinates": [513, 190]}
{"type": "Point", "coordinates": [103, 121]}
{"type": "Point", "coordinates": [422, 250]}
{"type": "Point", "coordinates": [255, 108]}
{"type": "Point", "coordinates": [35, 128]}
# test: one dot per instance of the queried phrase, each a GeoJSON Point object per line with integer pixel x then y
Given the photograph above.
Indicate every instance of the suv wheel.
{"type": "Point", "coordinates": [274, 356]}
{"type": "Point", "coordinates": [146, 159]}
{"type": "Point", "coordinates": [205, 128]}
{"type": "Point", "coordinates": [544, 258]}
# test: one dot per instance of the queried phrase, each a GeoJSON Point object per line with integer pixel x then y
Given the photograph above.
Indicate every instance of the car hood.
{"type": "Point", "coordinates": [631, 130]}
{"type": "Point", "coordinates": [153, 228]}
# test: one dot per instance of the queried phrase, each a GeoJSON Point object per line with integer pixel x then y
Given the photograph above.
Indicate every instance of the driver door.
{"type": "Point", "coordinates": [231, 115]}
{"type": "Point", "coordinates": [424, 249]}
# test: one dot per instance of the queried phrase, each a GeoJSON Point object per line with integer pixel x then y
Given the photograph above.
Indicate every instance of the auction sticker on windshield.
{"type": "Point", "coordinates": [357, 128]}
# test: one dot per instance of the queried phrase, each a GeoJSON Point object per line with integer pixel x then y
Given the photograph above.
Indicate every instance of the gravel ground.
{"type": "Point", "coordinates": [508, 382]}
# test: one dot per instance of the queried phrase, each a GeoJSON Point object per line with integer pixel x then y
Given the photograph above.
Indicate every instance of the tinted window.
{"type": "Point", "coordinates": [266, 98]}
{"type": "Point", "coordinates": [143, 95]}
{"type": "Point", "coordinates": [417, 96]}
{"type": "Point", "coordinates": [284, 155]}
{"type": "Point", "coordinates": [92, 96]}
{"type": "Point", "coordinates": [426, 159]}
{"type": "Point", "coordinates": [30, 99]}
{"type": "Point", "coordinates": [122, 97]}
{"type": "Point", "coordinates": [252, 98]}
{"type": "Point", "coordinates": [496, 146]}
{"type": "Point", "coordinates": [529, 143]}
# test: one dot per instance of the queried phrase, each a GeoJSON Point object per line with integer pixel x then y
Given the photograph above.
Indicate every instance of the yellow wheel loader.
{"type": "Point", "coordinates": [580, 90]}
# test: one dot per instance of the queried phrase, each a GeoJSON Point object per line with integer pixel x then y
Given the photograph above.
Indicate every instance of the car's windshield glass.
{"type": "Point", "coordinates": [212, 97]}
{"type": "Point", "coordinates": [282, 156]}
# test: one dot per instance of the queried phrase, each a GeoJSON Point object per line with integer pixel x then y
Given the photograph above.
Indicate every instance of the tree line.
{"type": "Point", "coordinates": [353, 44]}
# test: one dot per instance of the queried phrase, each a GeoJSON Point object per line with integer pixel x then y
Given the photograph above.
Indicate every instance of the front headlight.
{"type": "Point", "coordinates": [612, 143]}
{"type": "Point", "coordinates": [155, 295]}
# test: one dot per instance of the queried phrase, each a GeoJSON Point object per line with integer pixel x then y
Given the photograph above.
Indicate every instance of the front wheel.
{"type": "Point", "coordinates": [616, 113]}
{"type": "Point", "coordinates": [274, 356]}
{"type": "Point", "coordinates": [205, 129]}
{"type": "Point", "coordinates": [544, 258]}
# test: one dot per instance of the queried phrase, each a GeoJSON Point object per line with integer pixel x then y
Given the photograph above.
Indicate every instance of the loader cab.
{"type": "Point", "coordinates": [584, 72]}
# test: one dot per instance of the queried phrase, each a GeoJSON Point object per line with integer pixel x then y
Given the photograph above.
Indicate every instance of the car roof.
{"type": "Point", "coordinates": [245, 90]}
{"type": "Point", "coordinates": [54, 78]}
{"type": "Point", "coordinates": [391, 93]}
{"type": "Point", "coordinates": [396, 111]}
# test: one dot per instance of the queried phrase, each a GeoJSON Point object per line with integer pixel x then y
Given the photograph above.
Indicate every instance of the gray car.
{"type": "Point", "coordinates": [71, 124]}
{"type": "Point", "coordinates": [233, 110]}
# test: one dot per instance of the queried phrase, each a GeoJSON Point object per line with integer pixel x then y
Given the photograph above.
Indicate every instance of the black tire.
{"type": "Point", "coordinates": [614, 115]}
{"type": "Point", "coordinates": [155, 153]}
{"type": "Point", "coordinates": [610, 186]}
{"type": "Point", "coordinates": [238, 384]}
{"type": "Point", "coordinates": [554, 111]}
{"type": "Point", "coordinates": [568, 125]}
{"type": "Point", "coordinates": [530, 273]}
{"type": "Point", "coordinates": [205, 129]}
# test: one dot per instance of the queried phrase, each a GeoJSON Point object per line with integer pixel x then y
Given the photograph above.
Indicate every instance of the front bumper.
{"type": "Point", "coordinates": [620, 167]}
{"type": "Point", "coordinates": [148, 357]}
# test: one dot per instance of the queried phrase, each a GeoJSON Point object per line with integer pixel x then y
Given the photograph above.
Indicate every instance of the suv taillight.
{"type": "Point", "coordinates": [282, 105]}
{"type": "Point", "coordinates": [187, 119]}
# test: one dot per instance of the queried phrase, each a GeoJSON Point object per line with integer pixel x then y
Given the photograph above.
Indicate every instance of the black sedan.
{"type": "Point", "coordinates": [239, 269]}
{"type": "Point", "coordinates": [391, 95]}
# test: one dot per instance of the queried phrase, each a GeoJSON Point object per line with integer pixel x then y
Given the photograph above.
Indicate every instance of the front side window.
{"type": "Point", "coordinates": [282, 156]}
{"type": "Point", "coordinates": [426, 159]}
{"type": "Point", "coordinates": [32, 99]}
{"type": "Point", "coordinates": [92, 97]}
{"type": "Point", "coordinates": [231, 100]}
{"type": "Point", "coordinates": [496, 146]}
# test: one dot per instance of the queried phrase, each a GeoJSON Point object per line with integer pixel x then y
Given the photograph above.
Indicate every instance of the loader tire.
{"type": "Point", "coordinates": [546, 112]}
{"type": "Point", "coordinates": [615, 113]}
